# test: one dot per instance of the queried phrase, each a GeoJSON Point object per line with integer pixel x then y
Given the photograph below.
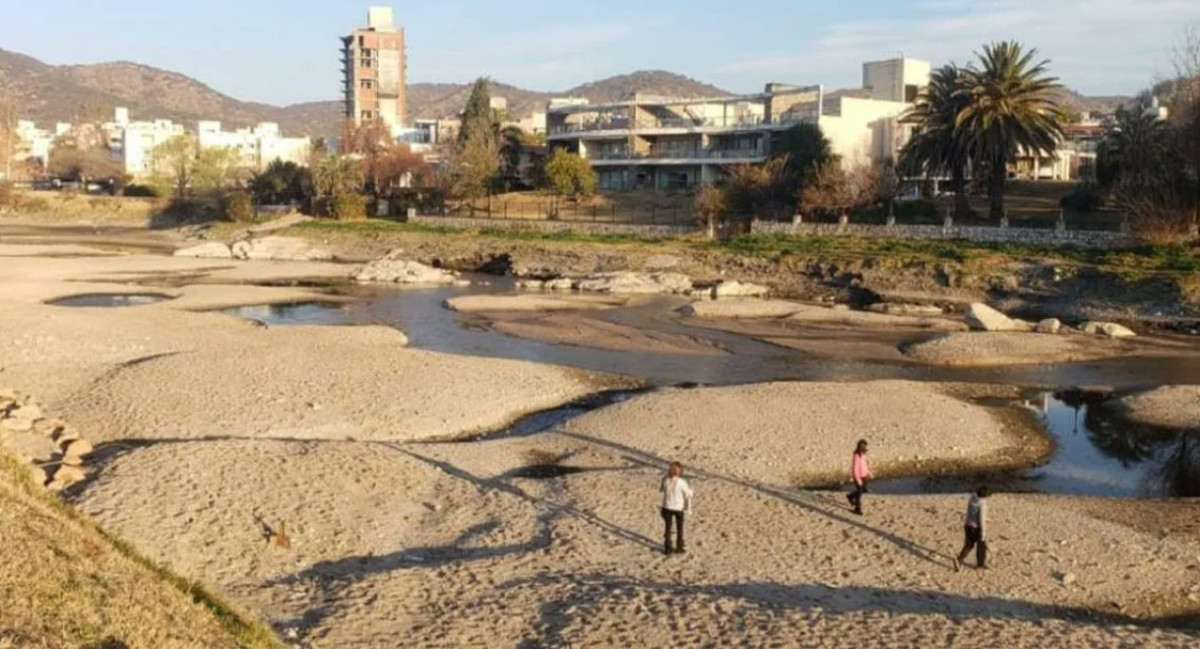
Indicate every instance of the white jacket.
{"type": "Point", "coordinates": [677, 495]}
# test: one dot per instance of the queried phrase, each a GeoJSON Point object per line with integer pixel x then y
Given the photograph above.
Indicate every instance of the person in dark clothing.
{"type": "Point", "coordinates": [677, 499]}
{"type": "Point", "coordinates": [975, 530]}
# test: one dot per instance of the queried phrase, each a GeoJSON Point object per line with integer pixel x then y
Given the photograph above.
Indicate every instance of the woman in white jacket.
{"type": "Point", "coordinates": [677, 500]}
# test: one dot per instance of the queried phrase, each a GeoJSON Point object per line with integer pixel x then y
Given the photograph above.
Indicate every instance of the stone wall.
{"type": "Point", "coordinates": [644, 231]}
{"type": "Point", "coordinates": [981, 234]}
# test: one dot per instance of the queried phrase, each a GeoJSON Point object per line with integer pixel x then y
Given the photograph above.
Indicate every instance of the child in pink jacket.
{"type": "Point", "coordinates": [859, 473]}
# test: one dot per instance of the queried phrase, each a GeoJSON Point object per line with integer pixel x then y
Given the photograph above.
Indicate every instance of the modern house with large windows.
{"type": "Point", "coordinates": [675, 143]}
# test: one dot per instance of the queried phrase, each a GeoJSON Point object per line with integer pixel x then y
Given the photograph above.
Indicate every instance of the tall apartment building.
{"type": "Point", "coordinates": [672, 143]}
{"type": "Point", "coordinates": [375, 71]}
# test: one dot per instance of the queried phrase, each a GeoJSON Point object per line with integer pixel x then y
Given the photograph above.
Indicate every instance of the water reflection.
{"type": "Point", "coordinates": [1097, 453]}
{"type": "Point", "coordinates": [109, 300]}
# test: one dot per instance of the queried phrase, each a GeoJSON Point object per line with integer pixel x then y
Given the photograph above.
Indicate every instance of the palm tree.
{"type": "Point", "coordinates": [1011, 107]}
{"type": "Point", "coordinates": [938, 146]}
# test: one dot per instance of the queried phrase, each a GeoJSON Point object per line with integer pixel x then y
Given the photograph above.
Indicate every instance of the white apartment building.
{"type": "Point", "coordinates": [258, 146]}
{"type": "Point", "coordinates": [138, 141]}
{"type": "Point", "coordinates": [33, 143]}
{"type": "Point", "coordinates": [672, 143]}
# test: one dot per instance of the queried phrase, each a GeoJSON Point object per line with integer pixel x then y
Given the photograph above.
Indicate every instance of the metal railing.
{"type": "Point", "coordinates": [678, 154]}
{"type": "Point", "coordinates": [748, 122]}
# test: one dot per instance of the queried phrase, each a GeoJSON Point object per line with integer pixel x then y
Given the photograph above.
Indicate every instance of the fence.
{"type": "Point", "coordinates": [550, 209]}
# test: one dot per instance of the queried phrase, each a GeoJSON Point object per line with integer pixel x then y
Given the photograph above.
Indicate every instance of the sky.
{"type": "Point", "coordinates": [282, 52]}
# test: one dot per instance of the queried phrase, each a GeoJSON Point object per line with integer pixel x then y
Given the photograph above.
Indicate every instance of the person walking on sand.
{"type": "Point", "coordinates": [975, 530]}
{"type": "Point", "coordinates": [859, 473]}
{"type": "Point", "coordinates": [677, 500]}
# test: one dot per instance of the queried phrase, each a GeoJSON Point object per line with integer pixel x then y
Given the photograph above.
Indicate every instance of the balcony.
{"type": "Point", "coordinates": [745, 122]}
{"type": "Point", "coordinates": [678, 155]}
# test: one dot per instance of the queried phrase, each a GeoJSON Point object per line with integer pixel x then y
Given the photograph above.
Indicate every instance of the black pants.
{"type": "Point", "coordinates": [855, 497]}
{"type": "Point", "coordinates": [974, 541]}
{"type": "Point", "coordinates": [670, 515]}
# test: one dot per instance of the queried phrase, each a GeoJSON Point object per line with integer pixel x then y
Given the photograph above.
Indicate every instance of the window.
{"type": "Point", "coordinates": [368, 115]}
{"type": "Point", "coordinates": [910, 94]}
{"type": "Point", "coordinates": [367, 84]}
{"type": "Point", "coordinates": [367, 63]}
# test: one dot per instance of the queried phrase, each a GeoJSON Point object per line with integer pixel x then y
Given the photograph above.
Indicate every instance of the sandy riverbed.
{"type": "Point", "coordinates": [447, 545]}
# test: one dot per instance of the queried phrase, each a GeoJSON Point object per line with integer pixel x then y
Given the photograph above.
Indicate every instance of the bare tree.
{"type": "Point", "coordinates": [1184, 111]}
{"type": "Point", "coordinates": [836, 190]}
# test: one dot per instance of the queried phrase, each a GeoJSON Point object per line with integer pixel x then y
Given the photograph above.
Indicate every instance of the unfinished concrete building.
{"type": "Point", "coordinates": [375, 72]}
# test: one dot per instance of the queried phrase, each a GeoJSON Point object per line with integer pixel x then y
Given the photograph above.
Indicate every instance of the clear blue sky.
{"type": "Point", "coordinates": [283, 52]}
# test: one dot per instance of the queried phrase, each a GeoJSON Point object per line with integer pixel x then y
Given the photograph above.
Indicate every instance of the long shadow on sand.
{"type": "Point", "coordinates": [805, 500]}
{"type": "Point", "coordinates": [593, 593]}
{"type": "Point", "coordinates": [334, 577]}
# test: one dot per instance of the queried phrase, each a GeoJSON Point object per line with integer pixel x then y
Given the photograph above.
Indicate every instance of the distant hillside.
{"type": "Point", "coordinates": [69, 93]}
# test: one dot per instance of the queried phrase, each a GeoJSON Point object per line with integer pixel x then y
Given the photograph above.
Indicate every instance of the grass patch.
{"type": "Point", "coordinates": [66, 582]}
{"type": "Point", "coordinates": [375, 227]}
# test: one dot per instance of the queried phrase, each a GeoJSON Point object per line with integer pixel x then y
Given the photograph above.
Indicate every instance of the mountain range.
{"type": "Point", "coordinates": [69, 93]}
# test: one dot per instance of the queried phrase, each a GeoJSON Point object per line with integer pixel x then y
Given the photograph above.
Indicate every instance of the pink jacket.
{"type": "Point", "coordinates": [859, 469]}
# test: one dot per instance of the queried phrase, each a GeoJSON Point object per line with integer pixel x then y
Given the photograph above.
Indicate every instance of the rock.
{"type": "Point", "coordinates": [1067, 578]}
{"type": "Point", "coordinates": [16, 424]}
{"type": "Point", "coordinates": [29, 411]}
{"type": "Point", "coordinates": [738, 289]}
{"type": "Point", "coordinates": [66, 476]}
{"type": "Point", "coordinates": [64, 437]}
{"type": "Point", "coordinates": [662, 262]}
{"type": "Point", "coordinates": [48, 427]}
{"type": "Point", "coordinates": [560, 284]}
{"type": "Point", "coordinates": [531, 285]}
{"type": "Point", "coordinates": [635, 283]}
{"type": "Point", "coordinates": [210, 250]}
{"type": "Point", "coordinates": [918, 310]}
{"type": "Point", "coordinates": [1049, 326]}
{"type": "Point", "coordinates": [38, 473]}
{"type": "Point", "coordinates": [279, 249]}
{"type": "Point", "coordinates": [984, 318]}
{"type": "Point", "coordinates": [1108, 329]}
{"type": "Point", "coordinates": [79, 448]}
{"type": "Point", "coordinates": [741, 309]}
{"type": "Point", "coordinates": [394, 270]}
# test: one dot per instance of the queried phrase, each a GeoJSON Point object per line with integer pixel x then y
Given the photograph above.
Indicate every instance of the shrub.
{"type": "Point", "coordinates": [348, 207]}
{"type": "Point", "coordinates": [238, 207]}
{"type": "Point", "coordinates": [1082, 199]}
{"type": "Point", "coordinates": [141, 191]}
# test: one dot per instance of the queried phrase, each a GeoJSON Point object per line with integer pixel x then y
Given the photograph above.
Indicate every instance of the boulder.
{"type": "Point", "coordinates": [918, 310]}
{"type": "Point", "coordinates": [394, 270]}
{"type": "Point", "coordinates": [740, 309]}
{"type": "Point", "coordinates": [738, 289]}
{"type": "Point", "coordinates": [48, 427]}
{"type": "Point", "coordinates": [64, 437]}
{"type": "Point", "coordinates": [1049, 326]}
{"type": "Point", "coordinates": [841, 314]}
{"type": "Point", "coordinates": [16, 424]}
{"type": "Point", "coordinates": [66, 476]}
{"type": "Point", "coordinates": [279, 249]}
{"type": "Point", "coordinates": [210, 250]}
{"type": "Point", "coordinates": [560, 284]}
{"type": "Point", "coordinates": [1107, 329]}
{"type": "Point", "coordinates": [530, 285]}
{"type": "Point", "coordinates": [984, 318]}
{"type": "Point", "coordinates": [635, 283]}
{"type": "Point", "coordinates": [79, 448]}
{"type": "Point", "coordinates": [29, 411]}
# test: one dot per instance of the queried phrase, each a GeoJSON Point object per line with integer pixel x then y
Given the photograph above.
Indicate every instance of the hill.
{"type": "Point", "coordinates": [68, 93]}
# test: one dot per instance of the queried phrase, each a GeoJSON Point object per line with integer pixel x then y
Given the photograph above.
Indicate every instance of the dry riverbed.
{"type": "Point", "coordinates": [217, 432]}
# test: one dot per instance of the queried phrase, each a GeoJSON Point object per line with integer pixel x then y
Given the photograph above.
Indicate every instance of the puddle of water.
{"type": "Point", "coordinates": [1097, 454]}
{"type": "Point", "coordinates": [296, 313]}
{"type": "Point", "coordinates": [109, 301]}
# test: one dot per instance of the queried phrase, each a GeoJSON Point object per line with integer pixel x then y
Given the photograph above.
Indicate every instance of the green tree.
{"type": "Point", "coordinates": [174, 163]}
{"type": "Point", "coordinates": [475, 162]}
{"type": "Point", "coordinates": [760, 191]}
{"type": "Point", "coordinates": [214, 170]}
{"type": "Point", "coordinates": [282, 182]}
{"type": "Point", "coordinates": [336, 174]}
{"type": "Point", "coordinates": [804, 148]}
{"type": "Point", "coordinates": [1011, 106]}
{"type": "Point", "coordinates": [939, 146]}
{"type": "Point", "coordinates": [567, 174]}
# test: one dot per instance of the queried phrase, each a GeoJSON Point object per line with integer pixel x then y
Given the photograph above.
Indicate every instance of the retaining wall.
{"type": "Point", "coordinates": [982, 234]}
{"type": "Point", "coordinates": [644, 231]}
